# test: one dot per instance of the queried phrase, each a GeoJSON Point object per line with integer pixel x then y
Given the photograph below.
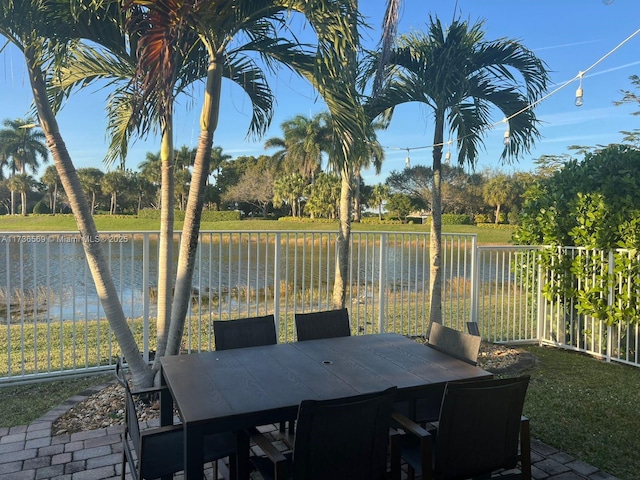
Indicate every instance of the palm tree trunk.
{"type": "Point", "coordinates": [193, 214]}
{"type": "Point", "coordinates": [343, 240]}
{"type": "Point", "coordinates": [55, 198]}
{"type": "Point", "coordinates": [357, 204]}
{"type": "Point", "coordinates": [165, 242]}
{"type": "Point", "coordinates": [98, 266]}
{"type": "Point", "coordinates": [435, 247]}
{"type": "Point", "coordinates": [23, 201]}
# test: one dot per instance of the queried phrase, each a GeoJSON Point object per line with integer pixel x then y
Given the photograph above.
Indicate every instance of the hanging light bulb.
{"type": "Point", "coordinates": [579, 93]}
{"type": "Point", "coordinates": [407, 161]}
{"type": "Point", "coordinates": [507, 137]}
{"type": "Point", "coordinates": [447, 157]}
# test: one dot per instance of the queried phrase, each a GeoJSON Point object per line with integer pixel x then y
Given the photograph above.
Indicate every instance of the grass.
{"type": "Point", "coordinates": [105, 223]}
{"type": "Point", "coordinates": [587, 408]}
{"type": "Point", "coordinates": [21, 405]}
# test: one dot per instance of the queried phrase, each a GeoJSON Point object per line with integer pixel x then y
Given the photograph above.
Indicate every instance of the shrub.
{"type": "Point", "coordinates": [455, 219]}
{"type": "Point", "coordinates": [41, 207]}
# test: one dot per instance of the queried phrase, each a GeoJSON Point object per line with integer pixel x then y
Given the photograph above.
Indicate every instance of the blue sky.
{"type": "Point", "coordinates": [569, 35]}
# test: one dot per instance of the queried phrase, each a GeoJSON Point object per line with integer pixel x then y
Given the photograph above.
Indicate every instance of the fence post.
{"type": "Point", "coordinates": [382, 272]}
{"type": "Point", "coordinates": [541, 302]}
{"type": "Point", "coordinates": [473, 310]}
{"type": "Point", "coordinates": [276, 282]}
{"type": "Point", "coordinates": [145, 296]}
{"type": "Point", "coordinates": [610, 302]}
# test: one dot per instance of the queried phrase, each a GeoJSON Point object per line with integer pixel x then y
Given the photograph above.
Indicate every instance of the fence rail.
{"type": "Point", "coordinates": [53, 323]}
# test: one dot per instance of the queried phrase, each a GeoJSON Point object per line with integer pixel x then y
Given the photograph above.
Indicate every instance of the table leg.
{"type": "Point", "coordinates": [193, 452]}
{"type": "Point", "coordinates": [242, 455]}
{"type": "Point", "coordinates": [166, 406]}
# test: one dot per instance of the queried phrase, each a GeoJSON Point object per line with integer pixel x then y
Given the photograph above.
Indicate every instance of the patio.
{"type": "Point", "coordinates": [31, 452]}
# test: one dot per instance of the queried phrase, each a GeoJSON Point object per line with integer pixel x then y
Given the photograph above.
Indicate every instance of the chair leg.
{"type": "Point", "coordinates": [525, 449]}
{"type": "Point", "coordinates": [124, 464]}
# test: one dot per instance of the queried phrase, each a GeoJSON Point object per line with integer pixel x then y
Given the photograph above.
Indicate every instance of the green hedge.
{"type": "Point", "coordinates": [207, 215]}
{"type": "Point", "coordinates": [454, 219]}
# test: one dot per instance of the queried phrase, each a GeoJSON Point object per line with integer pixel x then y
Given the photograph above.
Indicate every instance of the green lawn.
{"type": "Point", "coordinates": [105, 223]}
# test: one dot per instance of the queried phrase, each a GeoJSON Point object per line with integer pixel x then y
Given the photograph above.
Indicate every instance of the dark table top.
{"type": "Point", "coordinates": [233, 389]}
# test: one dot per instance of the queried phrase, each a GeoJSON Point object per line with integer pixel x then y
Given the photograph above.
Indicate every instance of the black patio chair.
{"type": "Point", "coordinates": [454, 343]}
{"type": "Point", "coordinates": [159, 452]}
{"type": "Point", "coordinates": [473, 328]}
{"type": "Point", "coordinates": [480, 430]}
{"type": "Point", "coordinates": [323, 324]}
{"type": "Point", "coordinates": [339, 439]}
{"type": "Point", "coordinates": [245, 332]}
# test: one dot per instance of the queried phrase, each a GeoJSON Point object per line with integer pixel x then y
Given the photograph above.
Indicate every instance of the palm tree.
{"type": "Point", "coordinates": [22, 183]}
{"type": "Point", "coordinates": [305, 139]}
{"type": "Point", "coordinates": [476, 76]}
{"type": "Point", "coordinates": [379, 195]}
{"type": "Point", "coordinates": [51, 179]}
{"type": "Point", "coordinates": [22, 145]}
{"type": "Point", "coordinates": [29, 25]}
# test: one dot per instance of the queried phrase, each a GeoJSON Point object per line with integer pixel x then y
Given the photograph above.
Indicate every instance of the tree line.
{"type": "Point", "coordinates": [289, 182]}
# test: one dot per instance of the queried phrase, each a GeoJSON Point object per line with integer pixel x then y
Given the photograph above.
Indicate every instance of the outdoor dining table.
{"type": "Point", "coordinates": [237, 389]}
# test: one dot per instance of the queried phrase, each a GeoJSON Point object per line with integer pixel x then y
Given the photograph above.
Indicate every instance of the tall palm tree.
{"type": "Point", "coordinates": [22, 146]}
{"type": "Point", "coordinates": [29, 25]}
{"type": "Point", "coordinates": [461, 77]}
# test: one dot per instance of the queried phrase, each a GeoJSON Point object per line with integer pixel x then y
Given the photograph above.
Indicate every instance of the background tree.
{"type": "Point", "coordinates": [305, 140]}
{"type": "Point", "coordinates": [379, 196]}
{"type": "Point", "coordinates": [90, 179]}
{"type": "Point", "coordinates": [630, 96]}
{"type": "Point", "coordinates": [400, 205]}
{"type": "Point", "coordinates": [497, 192]}
{"type": "Point", "coordinates": [22, 147]}
{"type": "Point", "coordinates": [23, 184]}
{"type": "Point", "coordinates": [255, 188]}
{"type": "Point", "coordinates": [414, 182]}
{"type": "Point", "coordinates": [51, 179]}
{"type": "Point", "coordinates": [113, 183]}
{"type": "Point", "coordinates": [477, 76]}
{"type": "Point", "coordinates": [289, 190]}
{"type": "Point", "coordinates": [324, 196]}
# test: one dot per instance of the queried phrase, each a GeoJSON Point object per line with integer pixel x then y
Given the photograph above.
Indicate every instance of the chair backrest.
{"type": "Point", "coordinates": [479, 427]}
{"type": "Point", "coordinates": [324, 324]}
{"type": "Point", "coordinates": [455, 343]}
{"type": "Point", "coordinates": [245, 332]}
{"type": "Point", "coordinates": [343, 439]}
{"type": "Point", "coordinates": [132, 428]}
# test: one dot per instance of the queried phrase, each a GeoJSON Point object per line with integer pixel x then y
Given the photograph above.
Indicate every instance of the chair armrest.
{"type": "Point", "coordinates": [143, 391]}
{"type": "Point", "coordinates": [273, 454]}
{"type": "Point", "coordinates": [409, 426]}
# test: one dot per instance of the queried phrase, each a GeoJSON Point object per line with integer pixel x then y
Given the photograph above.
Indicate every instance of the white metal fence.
{"type": "Point", "coordinates": [53, 324]}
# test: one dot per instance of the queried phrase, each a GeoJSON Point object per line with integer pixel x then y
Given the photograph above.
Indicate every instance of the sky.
{"type": "Point", "coordinates": [570, 36]}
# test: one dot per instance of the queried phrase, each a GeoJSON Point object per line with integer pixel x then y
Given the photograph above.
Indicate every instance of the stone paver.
{"type": "Point", "coordinates": [30, 452]}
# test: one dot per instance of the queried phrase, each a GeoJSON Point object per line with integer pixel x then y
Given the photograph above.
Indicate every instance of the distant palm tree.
{"type": "Point", "coordinates": [23, 184]}
{"type": "Point", "coordinates": [305, 140]}
{"type": "Point", "coordinates": [21, 147]}
{"type": "Point", "coordinates": [461, 77]}
{"type": "Point", "coordinates": [51, 179]}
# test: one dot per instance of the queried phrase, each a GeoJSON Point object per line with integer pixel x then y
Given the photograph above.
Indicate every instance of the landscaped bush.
{"type": "Point", "coordinates": [41, 208]}
{"type": "Point", "coordinates": [207, 215]}
{"type": "Point", "coordinates": [455, 219]}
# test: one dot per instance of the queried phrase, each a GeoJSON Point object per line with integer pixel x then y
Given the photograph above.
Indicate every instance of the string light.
{"type": "Point", "coordinates": [407, 161]}
{"type": "Point", "coordinates": [579, 92]}
{"type": "Point", "coordinates": [578, 101]}
{"type": "Point", "coordinates": [447, 156]}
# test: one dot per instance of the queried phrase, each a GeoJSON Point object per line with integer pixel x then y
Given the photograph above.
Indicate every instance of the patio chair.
{"type": "Point", "coordinates": [245, 332]}
{"type": "Point", "coordinates": [159, 452]}
{"type": "Point", "coordinates": [338, 439]}
{"type": "Point", "coordinates": [323, 324]}
{"type": "Point", "coordinates": [480, 430]}
{"type": "Point", "coordinates": [473, 328]}
{"type": "Point", "coordinates": [460, 345]}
